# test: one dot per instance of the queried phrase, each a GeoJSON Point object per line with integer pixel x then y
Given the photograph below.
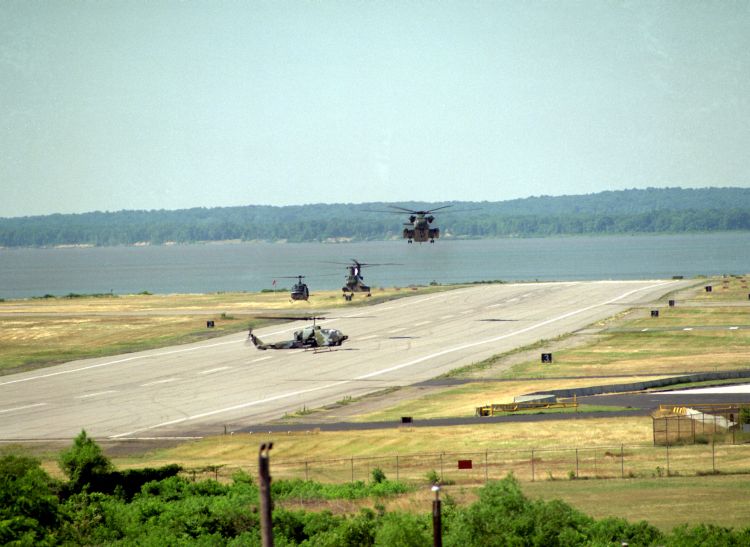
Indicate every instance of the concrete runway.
{"type": "Point", "coordinates": [201, 388]}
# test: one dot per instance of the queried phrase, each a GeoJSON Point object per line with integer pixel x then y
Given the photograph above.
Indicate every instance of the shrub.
{"type": "Point", "coordinates": [83, 461]}
{"type": "Point", "coordinates": [377, 475]}
{"type": "Point", "coordinates": [28, 505]}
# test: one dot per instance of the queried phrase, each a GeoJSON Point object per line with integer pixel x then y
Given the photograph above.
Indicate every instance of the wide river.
{"type": "Point", "coordinates": [254, 266]}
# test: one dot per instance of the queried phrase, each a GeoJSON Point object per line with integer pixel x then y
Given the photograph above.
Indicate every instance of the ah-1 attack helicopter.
{"type": "Point", "coordinates": [308, 337]}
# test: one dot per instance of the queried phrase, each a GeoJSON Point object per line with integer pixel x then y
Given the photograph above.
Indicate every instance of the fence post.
{"type": "Point", "coordinates": [264, 483]}
{"type": "Point", "coordinates": [576, 463]}
{"type": "Point", "coordinates": [622, 461]}
{"type": "Point", "coordinates": [532, 465]}
{"type": "Point", "coordinates": [486, 473]}
{"type": "Point", "coordinates": [596, 473]}
{"type": "Point", "coordinates": [668, 472]}
{"type": "Point", "coordinates": [352, 469]}
{"type": "Point", "coordinates": [713, 454]}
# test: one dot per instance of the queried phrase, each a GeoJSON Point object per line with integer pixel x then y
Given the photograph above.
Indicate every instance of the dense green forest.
{"type": "Point", "coordinates": [98, 505]}
{"type": "Point", "coordinates": [652, 210]}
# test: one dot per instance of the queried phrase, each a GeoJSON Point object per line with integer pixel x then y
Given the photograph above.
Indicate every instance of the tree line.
{"type": "Point", "coordinates": [665, 210]}
{"type": "Point", "coordinates": [98, 505]}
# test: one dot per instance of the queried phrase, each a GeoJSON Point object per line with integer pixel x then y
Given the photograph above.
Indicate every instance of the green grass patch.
{"type": "Point", "coordinates": [664, 502]}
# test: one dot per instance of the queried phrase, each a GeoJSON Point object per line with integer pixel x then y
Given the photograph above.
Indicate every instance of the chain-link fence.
{"type": "Point", "coordinates": [474, 467]}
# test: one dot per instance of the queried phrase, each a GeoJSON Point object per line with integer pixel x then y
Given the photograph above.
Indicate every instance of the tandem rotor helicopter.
{"type": "Point", "coordinates": [311, 337]}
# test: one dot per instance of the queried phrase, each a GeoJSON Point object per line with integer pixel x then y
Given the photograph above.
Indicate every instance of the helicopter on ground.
{"type": "Point", "coordinates": [314, 336]}
{"type": "Point", "coordinates": [299, 289]}
{"type": "Point", "coordinates": [355, 281]}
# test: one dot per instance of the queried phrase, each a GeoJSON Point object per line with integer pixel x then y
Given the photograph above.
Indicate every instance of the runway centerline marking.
{"type": "Point", "coordinates": [157, 382]}
{"type": "Point", "coordinates": [422, 323]}
{"type": "Point", "coordinates": [211, 371]}
{"type": "Point", "coordinates": [266, 358]}
{"type": "Point", "coordinates": [22, 407]}
{"type": "Point", "coordinates": [373, 374]}
{"type": "Point", "coordinates": [89, 395]}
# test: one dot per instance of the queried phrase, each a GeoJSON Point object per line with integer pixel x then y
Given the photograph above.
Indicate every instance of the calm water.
{"type": "Point", "coordinates": [253, 266]}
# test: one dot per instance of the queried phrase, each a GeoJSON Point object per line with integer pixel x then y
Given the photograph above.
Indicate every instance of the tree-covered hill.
{"type": "Point", "coordinates": [652, 210]}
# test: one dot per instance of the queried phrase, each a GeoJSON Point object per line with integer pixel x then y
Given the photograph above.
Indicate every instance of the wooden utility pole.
{"type": "Point", "coordinates": [264, 481]}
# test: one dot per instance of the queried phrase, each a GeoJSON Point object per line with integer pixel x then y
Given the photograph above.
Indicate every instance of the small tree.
{"type": "Point", "coordinates": [84, 462]}
{"type": "Point", "coordinates": [378, 475]}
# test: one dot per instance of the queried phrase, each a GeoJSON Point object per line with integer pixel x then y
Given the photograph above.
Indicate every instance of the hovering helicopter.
{"type": "Point", "coordinates": [299, 289]}
{"type": "Point", "coordinates": [314, 336]}
{"type": "Point", "coordinates": [355, 281]}
{"type": "Point", "coordinates": [418, 228]}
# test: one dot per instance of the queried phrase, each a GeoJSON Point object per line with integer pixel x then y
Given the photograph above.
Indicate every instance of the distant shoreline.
{"type": "Point", "coordinates": [346, 241]}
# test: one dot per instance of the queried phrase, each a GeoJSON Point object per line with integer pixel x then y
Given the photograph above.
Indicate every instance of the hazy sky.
{"type": "Point", "coordinates": [149, 104]}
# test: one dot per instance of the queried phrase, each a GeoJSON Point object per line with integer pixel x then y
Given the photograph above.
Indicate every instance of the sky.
{"type": "Point", "coordinates": [155, 104]}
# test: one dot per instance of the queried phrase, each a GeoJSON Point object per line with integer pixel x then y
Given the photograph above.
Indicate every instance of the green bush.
{"type": "Point", "coordinates": [28, 502]}
{"type": "Point", "coordinates": [83, 461]}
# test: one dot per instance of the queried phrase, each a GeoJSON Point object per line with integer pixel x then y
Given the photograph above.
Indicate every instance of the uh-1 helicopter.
{"type": "Point", "coordinates": [299, 289]}
{"type": "Point", "coordinates": [311, 337]}
{"type": "Point", "coordinates": [354, 280]}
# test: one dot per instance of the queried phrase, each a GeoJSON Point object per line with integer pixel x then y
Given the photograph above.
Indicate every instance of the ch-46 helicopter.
{"type": "Point", "coordinates": [311, 337]}
{"type": "Point", "coordinates": [354, 280]}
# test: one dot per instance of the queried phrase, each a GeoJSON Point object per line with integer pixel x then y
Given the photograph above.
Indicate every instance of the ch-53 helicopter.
{"type": "Point", "coordinates": [418, 228]}
{"type": "Point", "coordinates": [311, 337]}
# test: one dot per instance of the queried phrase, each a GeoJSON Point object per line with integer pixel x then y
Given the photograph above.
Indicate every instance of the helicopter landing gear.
{"type": "Point", "coordinates": [408, 241]}
{"type": "Point", "coordinates": [348, 297]}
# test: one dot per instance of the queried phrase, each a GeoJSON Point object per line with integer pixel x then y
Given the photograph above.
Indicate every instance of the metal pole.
{"type": "Point", "coordinates": [486, 473]}
{"type": "Point", "coordinates": [352, 469]}
{"type": "Point", "coordinates": [264, 480]}
{"type": "Point", "coordinates": [396, 467]}
{"type": "Point", "coordinates": [307, 474]}
{"type": "Point", "coordinates": [437, 525]}
{"type": "Point", "coordinates": [576, 463]}
{"type": "Point", "coordinates": [668, 473]}
{"type": "Point", "coordinates": [622, 461]}
{"type": "Point", "coordinates": [713, 454]}
{"type": "Point", "coordinates": [532, 465]}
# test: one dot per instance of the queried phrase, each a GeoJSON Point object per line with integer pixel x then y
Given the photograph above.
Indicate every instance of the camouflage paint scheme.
{"type": "Point", "coordinates": [309, 337]}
